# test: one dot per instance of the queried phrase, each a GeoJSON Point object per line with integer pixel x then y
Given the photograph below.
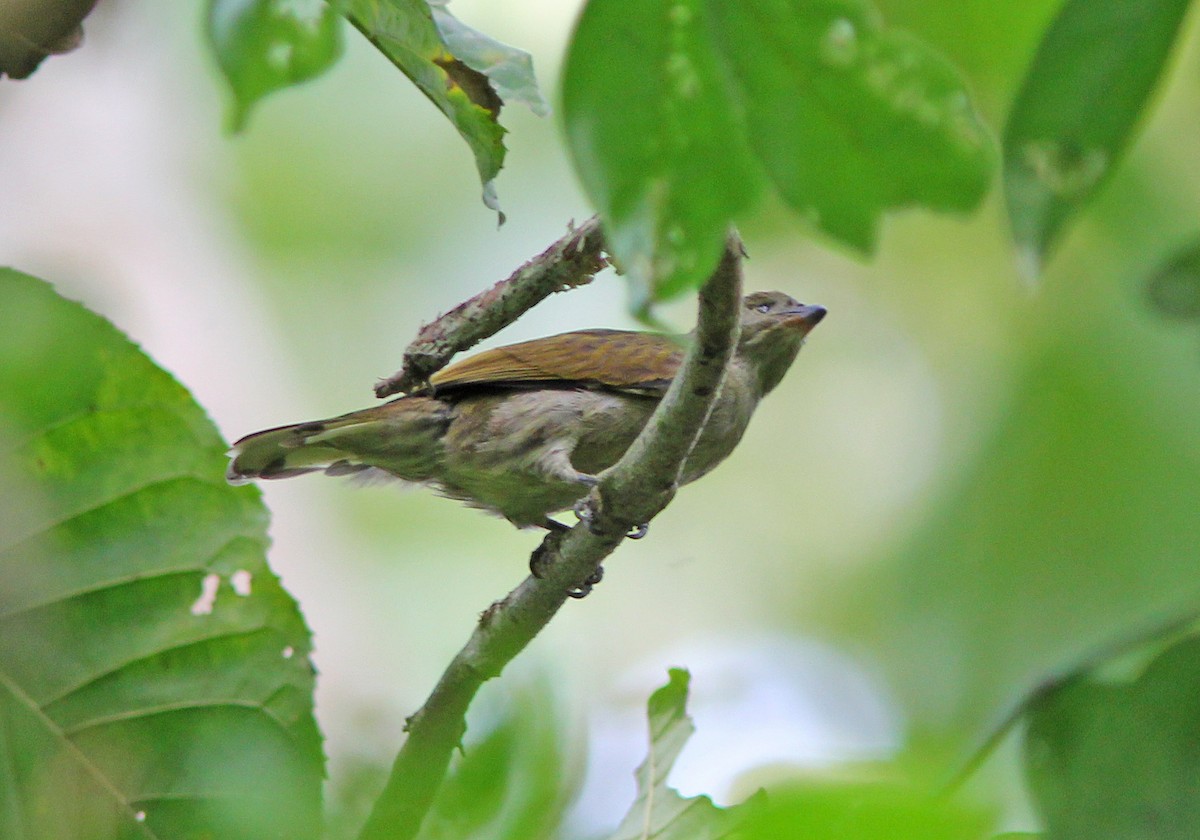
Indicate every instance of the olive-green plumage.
{"type": "Point", "coordinates": [522, 430]}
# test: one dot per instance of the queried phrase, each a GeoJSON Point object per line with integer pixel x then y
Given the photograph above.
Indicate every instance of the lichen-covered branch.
{"type": "Point", "coordinates": [633, 491]}
{"type": "Point", "coordinates": [571, 261]}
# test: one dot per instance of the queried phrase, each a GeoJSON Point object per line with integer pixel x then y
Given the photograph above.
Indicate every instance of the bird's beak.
{"type": "Point", "coordinates": [805, 318]}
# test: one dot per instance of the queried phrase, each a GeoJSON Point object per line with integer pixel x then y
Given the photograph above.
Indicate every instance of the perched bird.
{"type": "Point", "coordinates": [523, 430]}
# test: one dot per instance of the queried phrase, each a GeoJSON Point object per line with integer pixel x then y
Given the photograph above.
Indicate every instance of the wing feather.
{"type": "Point", "coordinates": [616, 359]}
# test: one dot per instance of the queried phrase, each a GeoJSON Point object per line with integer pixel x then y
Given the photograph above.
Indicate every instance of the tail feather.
{"type": "Point", "coordinates": [280, 453]}
{"type": "Point", "coordinates": [402, 438]}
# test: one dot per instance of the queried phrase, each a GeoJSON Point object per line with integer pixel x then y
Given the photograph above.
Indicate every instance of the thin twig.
{"type": "Point", "coordinates": [631, 492]}
{"type": "Point", "coordinates": [571, 261]}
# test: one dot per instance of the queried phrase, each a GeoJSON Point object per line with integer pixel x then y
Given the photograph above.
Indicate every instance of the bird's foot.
{"type": "Point", "coordinates": [587, 515]}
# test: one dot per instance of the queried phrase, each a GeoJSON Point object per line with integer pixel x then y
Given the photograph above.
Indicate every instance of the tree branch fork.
{"type": "Point", "coordinates": [631, 492]}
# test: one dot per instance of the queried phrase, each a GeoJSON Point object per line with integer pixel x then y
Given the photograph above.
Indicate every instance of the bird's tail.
{"type": "Point", "coordinates": [402, 437]}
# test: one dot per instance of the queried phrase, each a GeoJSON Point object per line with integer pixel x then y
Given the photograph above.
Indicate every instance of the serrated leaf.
{"type": "Point", "coordinates": [676, 110]}
{"type": "Point", "coordinates": [1121, 760]}
{"type": "Point", "coordinates": [405, 32]}
{"type": "Point", "coordinates": [263, 46]}
{"type": "Point", "coordinates": [659, 811]}
{"type": "Point", "coordinates": [1174, 288]}
{"type": "Point", "coordinates": [154, 676]}
{"type": "Point", "coordinates": [1089, 84]}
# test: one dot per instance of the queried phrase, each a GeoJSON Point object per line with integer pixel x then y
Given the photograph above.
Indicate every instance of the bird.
{"type": "Point", "coordinates": [523, 430]}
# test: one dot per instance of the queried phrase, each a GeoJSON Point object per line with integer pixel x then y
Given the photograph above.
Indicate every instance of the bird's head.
{"type": "Point", "coordinates": [773, 329]}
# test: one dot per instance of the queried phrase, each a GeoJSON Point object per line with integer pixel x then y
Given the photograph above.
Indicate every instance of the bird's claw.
{"type": "Point", "coordinates": [586, 514]}
{"type": "Point", "coordinates": [583, 589]}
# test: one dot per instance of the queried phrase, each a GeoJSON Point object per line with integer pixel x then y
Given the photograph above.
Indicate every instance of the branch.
{"type": "Point", "coordinates": [571, 261]}
{"type": "Point", "coordinates": [631, 492]}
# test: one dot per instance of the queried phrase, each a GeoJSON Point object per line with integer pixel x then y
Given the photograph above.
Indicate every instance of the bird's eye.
{"type": "Point", "coordinates": [763, 307]}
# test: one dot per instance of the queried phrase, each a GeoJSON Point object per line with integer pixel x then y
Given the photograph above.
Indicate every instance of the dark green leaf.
{"type": "Point", "coordinates": [405, 32]}
{"type": "Point", "coordinates": [1089, 83]}
{"type": "Point", "coordinates": [655, 139]}
{"type": "Point", "coordinates": [659, 811]}
{"type": "Point", "coordinates": [154, 676]}
{"type": "Point", "coordinates": [676, 110]}
{"type": "Point", "coordinates": [1121, 760]}
{"type": "Point", "coordinates": [264, 45]}
{"type": "Point", "coordinates": [1174, 289]}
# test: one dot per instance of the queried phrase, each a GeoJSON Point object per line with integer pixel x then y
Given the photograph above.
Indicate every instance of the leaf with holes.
{"type": "Point", "coordinates": [154, 676]}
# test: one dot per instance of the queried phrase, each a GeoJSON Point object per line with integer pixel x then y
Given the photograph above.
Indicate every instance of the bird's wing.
{"type": "Point", "coordinates": [617, 359]}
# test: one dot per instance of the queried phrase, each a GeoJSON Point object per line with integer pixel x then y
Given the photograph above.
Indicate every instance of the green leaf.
{"type": "Point", "coordinates": [1174, 288]}
{"type": "Point", "coordinates": [1089, 83]}
{"type": "Point", "coordinates": [863, 810]}
{"type": "Point", "coordinates": [850, 119]}
{"type": "Point", "coordinates": [509, 69]}
{"type": "Point", "coordinates": [154, 676]}
{"type": "Point", "coordinates": [405, 32]}
{"type": "Point", "coordinates": [655, 139]}
{"type": "Point", "coordinates": [264, 45]}
{"type": "Point", "coordinates": [678, 110]}
{"type": "Point", "coordinates": [659, 811]}
{"type": "Point", "coordinates": [1121, 760]}
{"type": "Point", "coordinates": [509, 783]}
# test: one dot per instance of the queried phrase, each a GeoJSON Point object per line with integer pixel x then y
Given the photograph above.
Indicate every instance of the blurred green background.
{"type": "Point", "coordinates": [966, 484]}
